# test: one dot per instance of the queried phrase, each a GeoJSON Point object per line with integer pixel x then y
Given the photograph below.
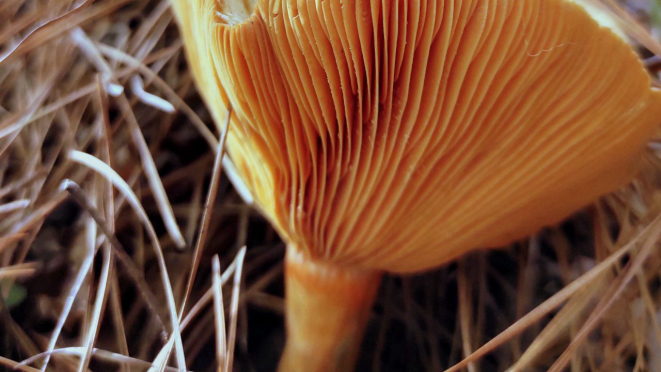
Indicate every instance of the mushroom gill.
{"type": "Point", "coordinates": [396, 135]}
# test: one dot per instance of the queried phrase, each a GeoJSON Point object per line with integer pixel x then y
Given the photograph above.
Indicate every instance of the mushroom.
{"type": "Point", "coordinates": [395, 136]}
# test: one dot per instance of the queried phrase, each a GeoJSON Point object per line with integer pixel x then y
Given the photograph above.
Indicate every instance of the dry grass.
{"type": "Point", "coordinates": [113, 203]}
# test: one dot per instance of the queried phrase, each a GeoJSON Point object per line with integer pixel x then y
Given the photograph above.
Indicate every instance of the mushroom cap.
{"type": "Point", "coordinates": [398, 135]}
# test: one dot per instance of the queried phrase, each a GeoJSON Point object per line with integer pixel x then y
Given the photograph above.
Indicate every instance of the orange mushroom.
{"type": "Point", "coordinates": [397, 135]}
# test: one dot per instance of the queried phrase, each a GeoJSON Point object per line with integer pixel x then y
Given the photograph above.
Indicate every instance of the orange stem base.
{"type": "Point", "coordinates": [327, 309]}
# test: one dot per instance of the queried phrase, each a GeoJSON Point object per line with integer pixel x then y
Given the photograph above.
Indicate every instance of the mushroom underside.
{"type": "Point", "coordinates": [397, 135]}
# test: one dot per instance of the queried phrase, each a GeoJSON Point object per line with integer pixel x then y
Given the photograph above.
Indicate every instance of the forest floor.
{"type": "Point", "coordinates": [109, 78]}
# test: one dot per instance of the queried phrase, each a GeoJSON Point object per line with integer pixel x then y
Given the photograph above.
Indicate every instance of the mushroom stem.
{"type": "Point", "coordinates": [327, 309]}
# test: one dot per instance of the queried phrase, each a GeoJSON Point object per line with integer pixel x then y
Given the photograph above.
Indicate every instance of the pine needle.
{"type": "Point", "coordinates": [110, 174]}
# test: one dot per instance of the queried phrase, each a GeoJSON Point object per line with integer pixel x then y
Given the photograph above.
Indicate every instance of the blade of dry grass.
{"type": "Point", "coordinates": [38, 216]}
{"type": "Point", "coordinates": [118, 320]}
{"type": "Point", "coordinates": [6, 241]}
{"type": "Point", "coordinates": [16, 365]}
{"type": "Point", "coordinates": [151, 173]}
{"type": "Point", "coordinates": [193, 210]}
{"type": "Point", "coordinates": [105, 155]}
{"type": "Point", "coordinates": [234, 309]}
{"type": "Point", "coordinates": [51, 108]}
{"type": "Point", "coordinates": [105, 355]}
{"type": "Point", "coordinates": [100, 301]}
{"type": "Point", "coordinates": [103, 169]}
{"type": "Point", "coordinates": [228, 165]}
{"type": "Point", "coordinates": [78, 195]}
{"type": "Point", "coordinates": [211, 196]}
{"type": "Point", "coordinates": [56, 27]}
{"type": "Point", "coordinates": [87, 46]}
{"type": "Point", "coordinates": [172, 96]}
{"type": "Point", "coordinates": [236, 180]}
{"type": "Point", "coordinates": [138, 88]}
{"type": "Point", "coordinates": [43, 30]}
{"type": "Point", "coordinates": [264, 280]}
{"type": "Point", "coordinates": [141, 35]}
{"type": "Point", "coordinates": [207, 297]}
{"type": "Point", "coordinates": [19, 23]}
{"type": "Point", "coordinates": [465, 312]}
{"type": "Point", "coordinates": [219, 316]}
{"type": "Point", "coordinates": [109, 356]}
{"type": "Point", "coordinates": [204, 300]}
{"type": "Point", "coordinates": [559, 298]}
{"type": "Point", "coordinates": [17, 271]}
{"type": "Point", "coordinates": [13, 125]}
{"type": "Point", "coordinates": [633, 27]}
{"type": "Point", "coordinates": [650, 306]}
{"type": "Point", "coordinates": [559, 325]}
{"type": "Point", "coordinates": [206, 216]}
{"type": "Point", "coordinates": [73, 292]}
{"type": "Point", "coordinates": [21, 183]}
{"type": "Point", "coordinates": [616, 290]}
{"type": "Point", "coordinates": [271, 302]}
{"type": "Point", "coordinates": [15, 205]}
